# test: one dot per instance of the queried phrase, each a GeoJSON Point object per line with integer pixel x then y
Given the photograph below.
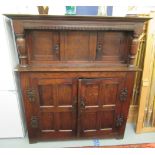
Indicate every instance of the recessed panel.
{"type": "Point", "coordinates": [47, 121]}
{"type": "Point", "coordinates": [65, 94]}
{"type": "Point", "coordinates": [91, 94]}
{"type": "Point", "coordinates": [110, 96]}
{"type": "Point", "coordinates": [78, 46]}
{"type": "Point", "coordinates": [66, 121]}
{"type": "Point", "coordinates": [89, 121]}
{"type": "Point", "coordinates": [46, 95]}
{"type": "Point", "coordinates": [107, 119]}
{"type": "Point", "coordinates": [113, 46]}
{"type": "Point", "coordinates": [43, 46]}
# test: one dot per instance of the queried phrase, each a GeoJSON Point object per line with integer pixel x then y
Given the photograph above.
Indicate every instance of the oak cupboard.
{"type": "Point", "coordinates": [76, 74]}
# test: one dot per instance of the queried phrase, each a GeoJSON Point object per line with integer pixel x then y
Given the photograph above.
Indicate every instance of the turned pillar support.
{"type": "Point", "coordinates": [20, 40]}
{"type": "Point", "coordinates": [135, 43]}
{"type": "Point", "coordinates": [133, 50]}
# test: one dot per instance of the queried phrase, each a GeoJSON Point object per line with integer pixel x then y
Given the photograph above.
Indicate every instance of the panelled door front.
{"type": "Point", "coordinates": [70, 108]}
{"type": "Point", "coordinates": [56, 107]}
{"type": "Point", "coordinates": [99, 106]}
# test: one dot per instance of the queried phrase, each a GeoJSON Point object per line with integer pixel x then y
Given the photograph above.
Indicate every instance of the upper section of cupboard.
{"type": "Point", "coordinates": [77, 41]}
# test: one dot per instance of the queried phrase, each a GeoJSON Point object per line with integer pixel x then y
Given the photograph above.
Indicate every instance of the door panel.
{"type": "Point", "coordinates": [65, 123]}
{"type": "Point", "coordinates": [63, 97]}
{"type": "Point", "coordinates": [43, 46]}
{"type": "Point", "coordinates": [99, 105]}
{"type": "Point", "coordinates": [108, 115]}
{"type": "Point", "coordinates": [46, 93]}
{"type": "Point", "coordinates": [90, 121]}
{"type": "Point", "coordinates": [47, 121]}
{"type": "Point", "coordinates": [78, 45]}
{"type": "Point", "coordinates": [113, 47]}
{"type": "Point", "coordinates": [57, 102]}
{"type": "Point", "coordinates": [110, 94]}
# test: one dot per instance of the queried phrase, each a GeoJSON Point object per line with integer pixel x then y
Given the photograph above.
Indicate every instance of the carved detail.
{"type": "Point", "coordinates": [123, 95]}
{"type": "Point", "coordinates": [133, 50]}
{"type": "Point", "coordinates": [79, 27]}
{"type": "Point", "coordinates": [119, 121]}
{"type": "Point", "coordinates": [135, 42]}
{"type": "Point", "coordinates": [21, 49]}
{"type": "Point", "coordinates": [34, 122]}
{"type": "Point", "coordinates": [31, 95]}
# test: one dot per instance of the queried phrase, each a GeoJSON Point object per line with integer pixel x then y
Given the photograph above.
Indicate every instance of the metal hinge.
{"type": "Point", "coordinates": [31, 94]}
{"type": "Point", "coordinates": [119, 121]}
{"type": "Point", "coordinates": [123, 95]}
{"type": "Point", "coordinates": [34, 122]}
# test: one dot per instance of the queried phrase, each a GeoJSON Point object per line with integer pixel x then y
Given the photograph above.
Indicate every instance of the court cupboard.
{"type": "Point", "coordinates": [76, 74]}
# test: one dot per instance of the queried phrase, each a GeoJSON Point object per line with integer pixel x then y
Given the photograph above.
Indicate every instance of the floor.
{"type": "Point", "coordinates": [130, 138]}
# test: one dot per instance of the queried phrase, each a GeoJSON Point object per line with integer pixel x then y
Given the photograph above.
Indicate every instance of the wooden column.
{"type": "Point", "coordinates": [134, 49]}
{"type": "Point", "coordinates": [20, 39]}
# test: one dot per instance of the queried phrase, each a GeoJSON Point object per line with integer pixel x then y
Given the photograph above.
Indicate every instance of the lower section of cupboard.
{"type": "Point", "coordinates": [76, 105]}
{"type": "Point", "coordinates": [50, 137]}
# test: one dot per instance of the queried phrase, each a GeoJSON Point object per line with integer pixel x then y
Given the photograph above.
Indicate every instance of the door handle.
{"type": "Point", "coordinates": [99, 48]}
{"type": "Point", "coordinates": [82, 104]}
{"type": "Point", "coordinates": [56, 48]}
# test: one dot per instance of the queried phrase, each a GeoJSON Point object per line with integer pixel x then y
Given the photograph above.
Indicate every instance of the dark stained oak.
{"type": "Point", "coordinates": [119, 50]}
{"type": "Point", "coordinates": [40, 54]}
{"type": "Point", "coordinates": [78, 46]}
{"type": "Point", "coordinates": [89, 43]}
{"type": "Point", "coordinates": [99, 105]}
{"type": "Point", "coordinates": [57, 104]}
{"type": "Point", "coordinates": [76, 74]}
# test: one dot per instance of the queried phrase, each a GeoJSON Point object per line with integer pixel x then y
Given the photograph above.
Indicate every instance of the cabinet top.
{"type": "Point", "coordinates": [75, 17]}
{"type": "Point", "coordinates": [77, 43]}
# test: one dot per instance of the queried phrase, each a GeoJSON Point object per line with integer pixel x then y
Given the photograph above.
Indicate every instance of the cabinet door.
{"type": "Point", "coordinates": [113, 46]}
{"type": "Point", "coordinates": [78, 45]}
{"type": "Point", "coordinates": [43, 47]}
{"type": "Point", "coordinates": [99, 106]}
{"type": "Point", "coordinates": [55, 107]}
